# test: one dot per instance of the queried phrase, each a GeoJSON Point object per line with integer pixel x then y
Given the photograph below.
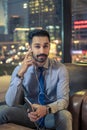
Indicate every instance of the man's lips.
{"type": "Point", "coordinates": [42, 55]}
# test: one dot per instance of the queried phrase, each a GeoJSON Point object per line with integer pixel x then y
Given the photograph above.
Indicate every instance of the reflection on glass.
{"type": "Point", "coordinates": [79, 32]}
{"type": "Point", "coordinates": [25, 16]}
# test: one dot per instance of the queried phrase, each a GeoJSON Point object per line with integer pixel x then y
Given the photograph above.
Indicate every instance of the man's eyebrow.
{"type": "Point", "coordinates": [36, 43]}
{"type": "Point", "coordinates": [46, 43]}
{"type": "Point", "coordinates": [40, 44]}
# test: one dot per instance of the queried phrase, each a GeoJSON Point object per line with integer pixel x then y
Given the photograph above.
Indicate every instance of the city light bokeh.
{"type": "Point", "coordinates": [18, 17]}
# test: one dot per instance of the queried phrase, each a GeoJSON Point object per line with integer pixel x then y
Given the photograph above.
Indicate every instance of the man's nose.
{"type": "Point", "coordinates": [41, 49]}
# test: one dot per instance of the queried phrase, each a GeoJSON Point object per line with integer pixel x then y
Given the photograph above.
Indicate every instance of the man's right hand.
{"type": "Point", "coordinates": [28, 61]}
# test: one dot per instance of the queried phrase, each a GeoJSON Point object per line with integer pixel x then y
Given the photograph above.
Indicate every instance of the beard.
{"type": "Point", "coordinates": [40, 58]}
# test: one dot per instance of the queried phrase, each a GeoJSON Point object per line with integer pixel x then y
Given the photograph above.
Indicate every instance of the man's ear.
{"type": "Point", "coordinates": [30, 50]}
{"type": "Point", "coordinates": [49, 47]}
{"type": "Point", "coordinates": [30, 47]}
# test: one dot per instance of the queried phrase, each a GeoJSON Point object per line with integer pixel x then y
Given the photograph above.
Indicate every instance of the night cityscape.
{"type": "Point", "coordinates": [18, 17]}
{"type": "Point", "coordinates": [43, 76]}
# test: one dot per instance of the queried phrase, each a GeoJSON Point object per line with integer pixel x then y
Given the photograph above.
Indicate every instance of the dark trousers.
{"type": "Point", "coordinates": [61, 120]}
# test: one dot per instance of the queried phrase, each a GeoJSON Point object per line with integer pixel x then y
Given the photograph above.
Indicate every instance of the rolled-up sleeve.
{"type": "Point", "coordinates": [62, 91]}
{"type": "Point", "coordinates": [15, 84]}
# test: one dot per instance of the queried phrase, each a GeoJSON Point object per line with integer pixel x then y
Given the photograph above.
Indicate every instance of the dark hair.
{"type": "Point", "coordinates": [37, 32]}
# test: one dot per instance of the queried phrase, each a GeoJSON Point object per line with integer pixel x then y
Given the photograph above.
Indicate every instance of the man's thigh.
{"type": "Point", "coordinates": [59, 121]}
{"type": "Point", "coordinates": [50, 121]}
{"type": "Point", "coordinates": [63, 120]}
{"type": "Point", "coordinates": [16, 115]}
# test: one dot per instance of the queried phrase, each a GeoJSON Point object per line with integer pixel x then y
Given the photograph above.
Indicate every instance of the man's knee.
{"type": "Point", "coordinates": [64, 120]}
{"type": "Point", "coordinates": [65, 115]}
{"type": "Point", "coordinates": [4, 109]}
{"type": "Point", "coordinates": [4, 112]}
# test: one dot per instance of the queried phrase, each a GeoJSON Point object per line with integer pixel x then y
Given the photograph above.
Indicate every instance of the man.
{"type": "Point", "coordinates": [49, 99]}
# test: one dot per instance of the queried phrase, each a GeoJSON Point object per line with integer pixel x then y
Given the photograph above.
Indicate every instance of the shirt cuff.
{"type": "Point", "coordinates": [58, 105]}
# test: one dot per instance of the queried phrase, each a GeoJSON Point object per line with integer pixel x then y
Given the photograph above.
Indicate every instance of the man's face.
{"type": "Point", "coordinates": [40, 47]}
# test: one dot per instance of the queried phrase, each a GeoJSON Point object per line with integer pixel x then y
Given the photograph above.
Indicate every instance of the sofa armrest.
{"type": "Point", "coordinates": [4, 84]}
{"type": "Point", "coordinates": [75, 107]}
{"type": "Point", "coordinates": [84, 113]}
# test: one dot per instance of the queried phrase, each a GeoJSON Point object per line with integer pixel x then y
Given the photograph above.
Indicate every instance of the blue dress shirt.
{"type": "Point", "coordinates": [56, 83]}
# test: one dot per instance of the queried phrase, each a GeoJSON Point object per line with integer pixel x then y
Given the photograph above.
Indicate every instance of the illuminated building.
{"type": "Point", "coordinates": [79, 31]}
{"type": "Point", "coordinates": [79, 25]}
{"type": "Point", "coordinates": [52, 15]}
{"type": "Point", "coordinates": [46, 14]}
{"type": "Point", "coordinates": [3, 17]}
{"type": "Point", "coordinates": [35, 13]}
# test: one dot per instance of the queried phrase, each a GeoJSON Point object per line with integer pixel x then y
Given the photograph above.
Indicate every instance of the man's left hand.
{"type": "Point", "coordinates": [40, 111]}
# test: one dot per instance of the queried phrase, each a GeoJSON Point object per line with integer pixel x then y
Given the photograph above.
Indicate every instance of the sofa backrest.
{"type": "Point", "coordinates": [77, 77]}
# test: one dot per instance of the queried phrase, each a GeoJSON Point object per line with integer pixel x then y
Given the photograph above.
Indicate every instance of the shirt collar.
{"type": "Point", "coordinates": [45, 66]}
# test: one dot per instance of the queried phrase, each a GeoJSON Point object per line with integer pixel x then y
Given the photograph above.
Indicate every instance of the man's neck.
{"type": "Point", "coordinates": [41, 64]}
{"type": "Point", "coordinates": [44, 64]}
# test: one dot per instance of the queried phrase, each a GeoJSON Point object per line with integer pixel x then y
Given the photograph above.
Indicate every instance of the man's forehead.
{"type": "Point", "coordinates": [40, 39]}
{"type": "Point", "coordinates": [37, 43]}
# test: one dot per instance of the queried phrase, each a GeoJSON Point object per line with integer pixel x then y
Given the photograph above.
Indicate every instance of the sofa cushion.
{"type": "Point", "coordinates": [4, 83]}
{"type": "Point", "coordinates": [11, 126]}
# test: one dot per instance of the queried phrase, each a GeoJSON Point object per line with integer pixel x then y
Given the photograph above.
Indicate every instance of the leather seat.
{"type": "Point", "coordinates": [84, 114]}
{"type": "Point", "coordinates": [11, 126]}
{"type": "Point", "coordinates": [75, 107]}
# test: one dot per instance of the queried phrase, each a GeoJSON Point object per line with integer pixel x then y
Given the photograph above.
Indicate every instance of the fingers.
{"type": "Point", "coordinates": [33, 116]}
{"type": "Point", "coordinates": [28, 54]}
{"type": "Point", "coordinates": [28, 58]}
{"type": "Point", "coordinates": [39, 113]}
{"type": "Point", "coordinates": [26, 62]}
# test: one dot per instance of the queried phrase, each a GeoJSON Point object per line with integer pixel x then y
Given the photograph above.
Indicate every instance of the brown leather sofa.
{"type": "Point", "coordinates": [78, 97]}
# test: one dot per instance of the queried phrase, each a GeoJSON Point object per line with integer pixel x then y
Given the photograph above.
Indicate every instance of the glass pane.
{"type": "Point", "coordinates": [23, 16]}
{"type": "Point", "coordinates": [79, 31]}
{"type": "Point", "coordinates": [46, 14]}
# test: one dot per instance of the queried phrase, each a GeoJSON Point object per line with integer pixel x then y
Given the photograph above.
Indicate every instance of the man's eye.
{"type": "Point", "coordinates": [46, 46]}
{"type": "Point", "coordinates": [37, 46]}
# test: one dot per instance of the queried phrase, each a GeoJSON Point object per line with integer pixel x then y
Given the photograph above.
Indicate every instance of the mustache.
{"type": "Point", "coordinates": [42, 55]}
